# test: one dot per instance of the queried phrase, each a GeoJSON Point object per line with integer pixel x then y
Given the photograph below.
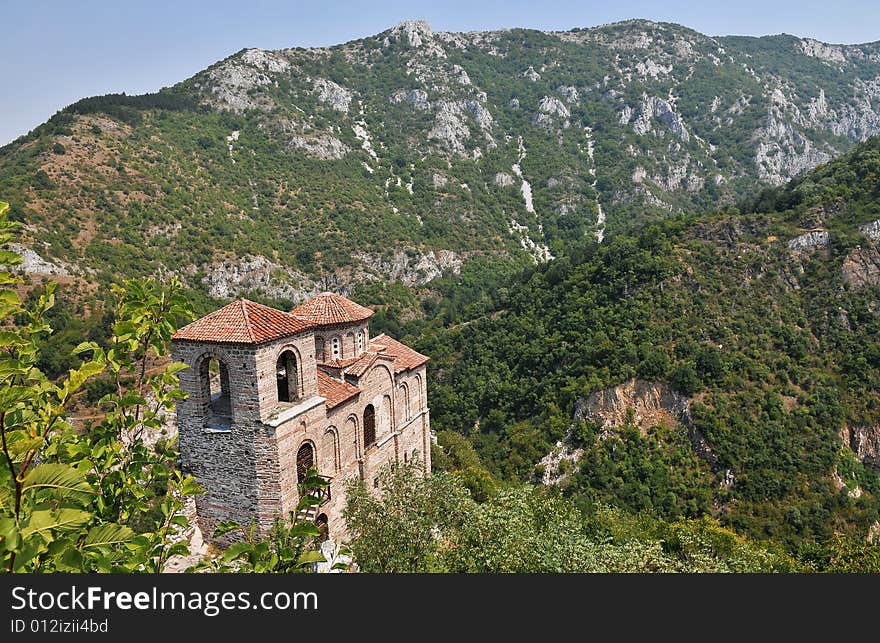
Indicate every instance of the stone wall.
{"type": "Point", "coordinates": [238, 464]}
{"type": "Point", "coordinates": [249, 468]}
{"type": "Point", "coordinates": [347, 334]}
{"type": "Point", "coordinates": [303, 347]}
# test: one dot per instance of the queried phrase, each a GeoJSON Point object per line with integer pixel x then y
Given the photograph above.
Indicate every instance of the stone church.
{"type": "Point", "coordinates": [273, 394]}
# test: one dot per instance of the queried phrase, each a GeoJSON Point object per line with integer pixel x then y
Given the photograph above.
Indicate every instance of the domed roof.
{"type": "Point", "coordinates": [243, 322]}
{"type": "Point", "coordinates": [329, 308]}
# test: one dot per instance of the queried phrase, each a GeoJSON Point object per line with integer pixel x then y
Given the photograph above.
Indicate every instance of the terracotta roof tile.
{"type": "Point", "coordinates": [243, 322]}
{"type": "Point", "coordinates": [340, 363]}
{"type": "Point", "coordinates": [334, 391]}
{"type": "Point", "coordinates": [405, 358]}
{"type": "Point", "coordinates": [329, 308]}
{"type": "Point", "coordinates": [362, 364]}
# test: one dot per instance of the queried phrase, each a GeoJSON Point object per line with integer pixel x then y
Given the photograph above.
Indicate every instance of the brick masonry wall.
{"type": "Point", "coordinates": [347, 334]}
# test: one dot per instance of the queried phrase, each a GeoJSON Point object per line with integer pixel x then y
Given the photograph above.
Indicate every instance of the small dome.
{"type": "Point", "coordinates": [329, 308]}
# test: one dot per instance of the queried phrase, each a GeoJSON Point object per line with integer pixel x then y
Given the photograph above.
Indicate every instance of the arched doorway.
{"type": "Point", "coordinates": [287, 377]}
{"type": "Point", "coordinates": [305, 460]}
{"type": "Point", "coordinates": [322, 523]}
{"type": "Point", "coordinates": [369, 426]}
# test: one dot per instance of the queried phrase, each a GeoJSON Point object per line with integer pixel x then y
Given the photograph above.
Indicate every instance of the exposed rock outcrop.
{"type": "Point", "coordinates": [864, 441]}
{"type": "Point", "coordinates": [320, 146]}
{"type": "Point", "coordinates": [419, 36]}
{"type": "Point", "coordinates": [555, 465]}
{"type": "Point", "coordinates": [233, 82]}
{"type": "Point", "coordinates": [531, 74]}
{"type": "Point", "coordinates": [654, 108]}
{"type": "Point", "coordinates": [871, 230]}
{"type": "Point", "coordinates": [861, 267]}
{"type": "Point", "coordinates": [649, 69]}
{"type": "Point", "coordinates": [651, 404]}
{"type": "Point", "coordinates": [782, 150]}
{"type": "Point", "coordinates": [827, 53]}
{"type": "Point", "coordinates": [415, 32]}
{"type": "Point", "coordinates": [646, 404]}
{"type": "Point", "coordinates": [569, 93]}
{"type": "Point", "coordinates": [554, 107]}
{"type": "Point", "coordinates": [417, 98]}
{"type": "Point", "coordinates": [33, 264]}
{"type": "Point", "coordinates": [503, 180]}
{"type": "Point", "coordinates": [269, 61]}
{"type": "Point", "coordinates": [861, 119]}
{"type": "Point", "coordinates": [810, 241]}
{"type": "Point", "coordinates": [412, 270]}
{"type": "Point", "coordinates": [450, 127]}
{"type": "Point", "coordinates": [256, 273]}
{"type": "Point", "coordinates": [332, 94]}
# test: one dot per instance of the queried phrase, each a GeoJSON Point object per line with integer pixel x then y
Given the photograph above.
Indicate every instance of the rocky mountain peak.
{"type": "Point", "coordinates": [485, 142]}
{"type": "Point", "coordinates": [415, 32]}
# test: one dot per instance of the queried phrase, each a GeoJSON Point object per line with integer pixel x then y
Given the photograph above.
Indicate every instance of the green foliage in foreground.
{"type": "Point", "coordinates": [101, 500]}
{"type": "Point", "coordinates": [432, 524]}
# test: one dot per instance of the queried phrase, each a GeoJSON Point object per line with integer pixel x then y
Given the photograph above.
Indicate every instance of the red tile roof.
{"type": "Point", "coordinates": [243, 322]}
{"type": "Point", "coordinates": [333, 390]}
{"type": "Point", "coordinates": [405, 358]}
{"type": "Point", "coordinates": [340, 363]}
{"type": "Point", "coordinates": [362, 364]}
{"type": "Point", "coordinates": [329, 308]}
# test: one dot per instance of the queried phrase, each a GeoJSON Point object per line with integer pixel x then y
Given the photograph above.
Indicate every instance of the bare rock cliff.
{"type": "Point", "coordinates": [646, 404]}
{"type": "Point", "coordinates": [864, 442]}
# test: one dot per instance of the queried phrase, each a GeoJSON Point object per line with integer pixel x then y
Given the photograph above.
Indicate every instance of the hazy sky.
{"type": "Point", "coordinates": [57, 51]}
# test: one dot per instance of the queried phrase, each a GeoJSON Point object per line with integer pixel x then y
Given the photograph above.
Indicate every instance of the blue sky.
{"type": "Point", "coordinates": [57, 51]}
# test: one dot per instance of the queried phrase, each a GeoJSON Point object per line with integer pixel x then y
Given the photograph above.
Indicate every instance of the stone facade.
{"type": "Point", "coordinates": [289, 401]}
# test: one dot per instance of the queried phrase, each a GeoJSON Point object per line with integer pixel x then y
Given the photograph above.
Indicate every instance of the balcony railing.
{"type": "Point", "coordinates": [322, 493]}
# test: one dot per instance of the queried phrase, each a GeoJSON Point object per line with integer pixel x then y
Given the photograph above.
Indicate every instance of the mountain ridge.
{"type": "Point", "coordinates": [285, 172]}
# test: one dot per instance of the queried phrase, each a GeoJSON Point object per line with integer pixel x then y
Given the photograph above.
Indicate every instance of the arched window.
{"type": "Point", "coordinates": [319, 348]}
{"type": "Point", "coordinates": [369, 426]}
{"type": "Point", "coordinates": [321, 522]}
{"type": "Point", "coordinates": [360, 342]}
{"type": "Point", "coordinates": [385, 417]}
{"type": "Point", "coordinates": [305, 460]}
{"type": "Point", "coordinates": [287, 377]}
{"type": "Point", "coordinates": [337, 349]}
{"type": "Point", "coordinates": [404, 393]}
{"type": "Point", "coordinates": [348, 440]}
{"type": "Point", "coordinates": [330, 450]}
{"type": "Point", "coordinates": [417, 394]}
{"type": "Point", "coordinates": [214, 377]}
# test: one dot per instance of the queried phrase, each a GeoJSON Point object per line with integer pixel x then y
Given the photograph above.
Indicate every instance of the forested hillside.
{"type": "Point", "coordinates": [765, 318]}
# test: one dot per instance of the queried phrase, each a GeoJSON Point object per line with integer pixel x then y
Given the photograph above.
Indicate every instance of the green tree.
{"type": "Point", "coordinates": [400, 529]}
{"type": "Point", "coordinates": [455, 453]}
{"type": "Point", "coordinates": [100, 500]}
{"type": "Point", "coordinates": [418, 524]}
{"type": "Point", "coordinates": [685, 378]}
